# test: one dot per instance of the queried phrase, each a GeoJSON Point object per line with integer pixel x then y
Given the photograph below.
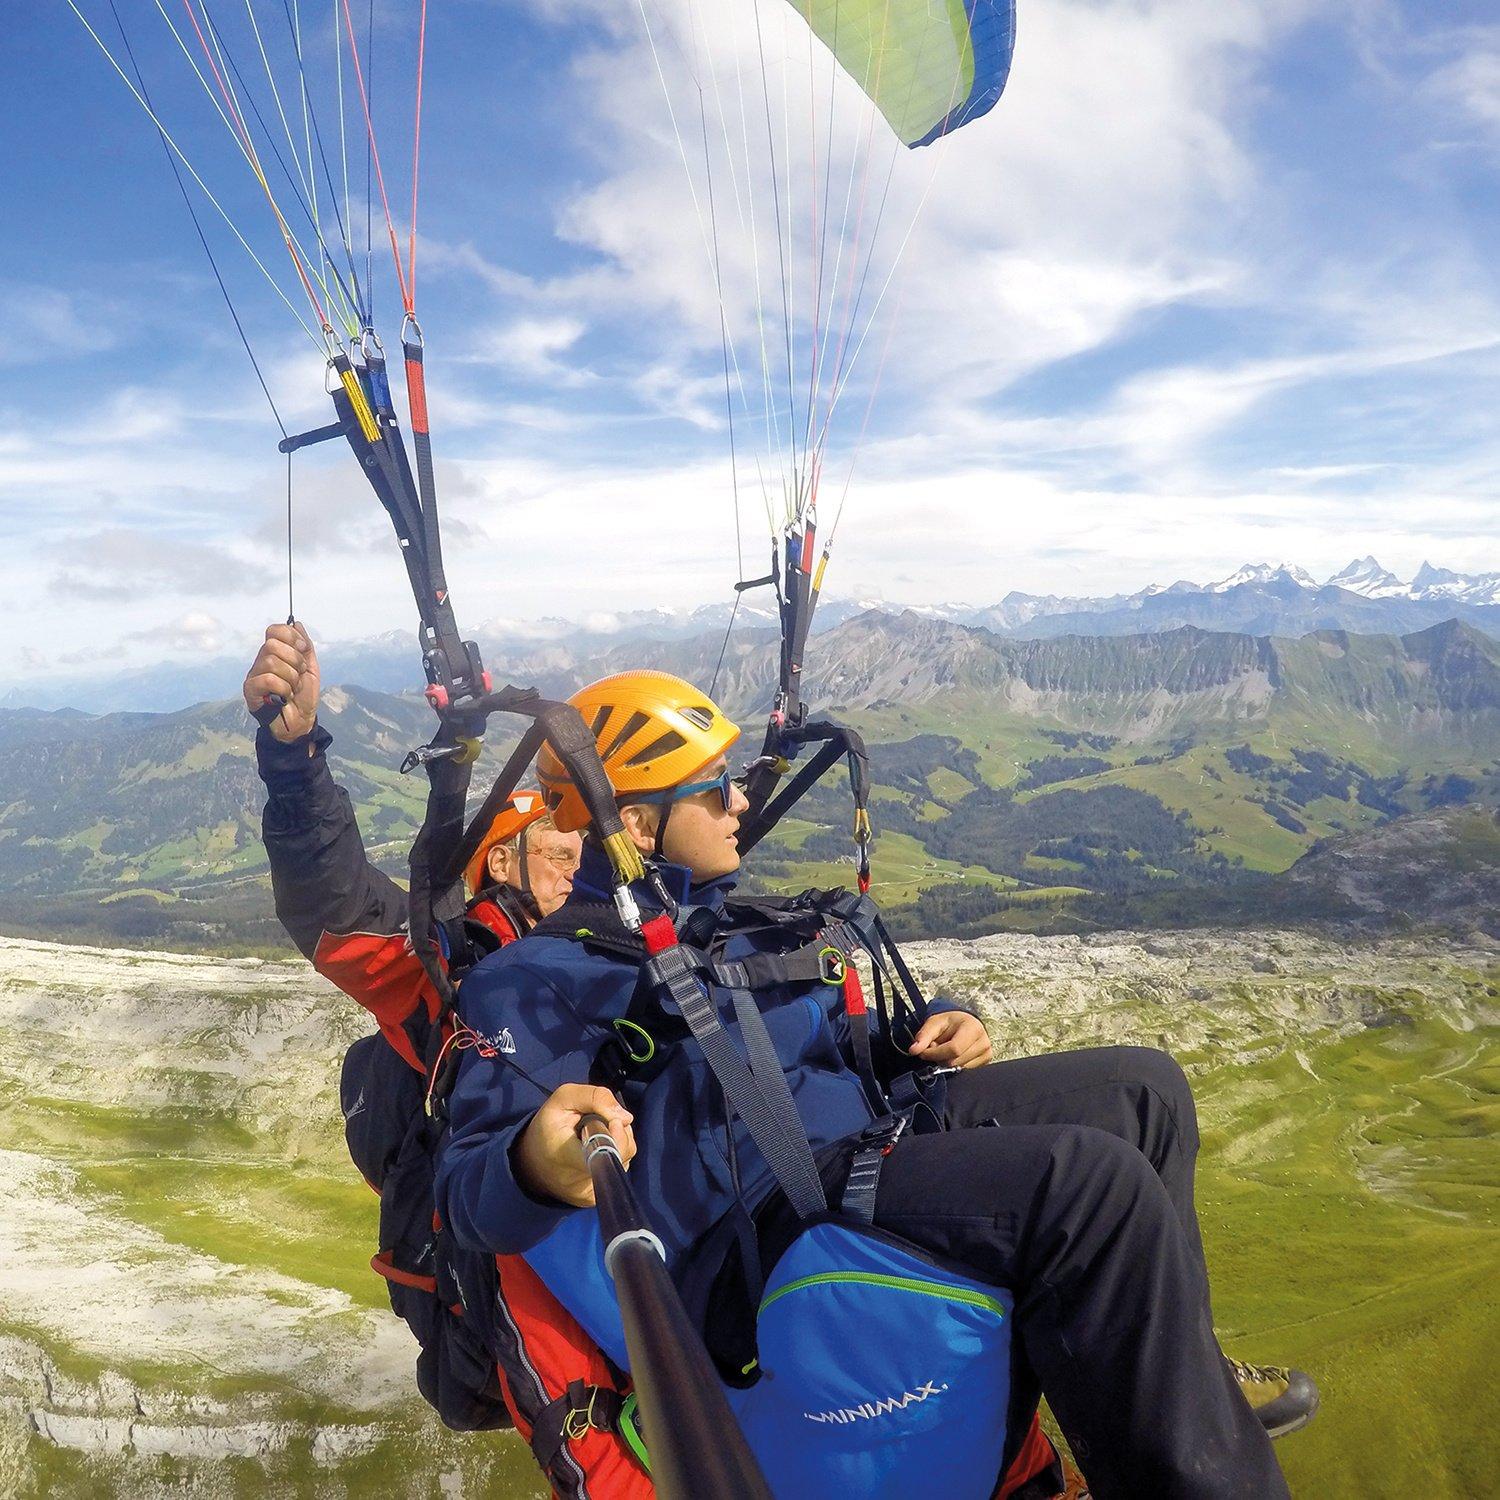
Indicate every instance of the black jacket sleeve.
{"type": "Point", "coordinates": [322, 880]}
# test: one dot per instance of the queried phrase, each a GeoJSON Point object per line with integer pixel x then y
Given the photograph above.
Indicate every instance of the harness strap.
{"type": "Point", "coordinates": [383, 1263]}
{"type": "Point", "coordinates": [863, 1181]}
{"type": "Point", "coordinates": [908, 980]}
{"type": "Point", "coordinates": [793, 791]}
{"type": "Point", "coordinates": [858, 1016]}
{"type": "Point", "coordinates": [758, 1092]}
{"type": "Point", "coordinates": [824, 959]}
{"type": "Point", "coordinates": [569, 1416]}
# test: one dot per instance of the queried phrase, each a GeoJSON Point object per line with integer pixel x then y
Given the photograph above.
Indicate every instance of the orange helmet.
{"type": "Point", "coordinates": [519, 813]}
{"type": "Point", "coordinates": [654, 731]}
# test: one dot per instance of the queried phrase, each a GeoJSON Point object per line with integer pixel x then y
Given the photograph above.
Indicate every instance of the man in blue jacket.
{"type": "Point", "coordinates": [1080, 1202]}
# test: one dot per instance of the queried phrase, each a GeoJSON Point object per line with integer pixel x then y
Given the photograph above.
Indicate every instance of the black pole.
{"type": "Point", "coordinates": [697, 1449]}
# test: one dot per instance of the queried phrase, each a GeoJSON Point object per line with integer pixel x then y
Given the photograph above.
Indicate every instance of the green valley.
{"type": "Point", "coordinates": [1070, 784]}
{"type": "Point", "coordinates": [185, 1301]}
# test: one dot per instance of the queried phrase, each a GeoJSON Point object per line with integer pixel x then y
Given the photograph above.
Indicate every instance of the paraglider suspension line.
{"type": "Point", "coordinates": [213, 266]}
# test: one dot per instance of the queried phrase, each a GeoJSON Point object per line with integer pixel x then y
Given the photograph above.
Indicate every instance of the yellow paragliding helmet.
{"type": "Point", "coordinates": [653, 731]}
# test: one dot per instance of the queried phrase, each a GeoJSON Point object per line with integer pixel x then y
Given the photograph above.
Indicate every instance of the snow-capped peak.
{"type": "Point", "coordinates": [1263, 573]}
{"type": "Point", "coordinates": [1444, 583]}
{"type": "Point", "coordinates": [1365, 576]}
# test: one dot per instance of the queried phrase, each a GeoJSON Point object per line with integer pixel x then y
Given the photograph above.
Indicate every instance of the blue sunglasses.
{"type": "Point", "coordinates": [723, 783]}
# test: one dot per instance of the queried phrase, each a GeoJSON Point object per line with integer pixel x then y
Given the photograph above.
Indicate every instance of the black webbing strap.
{"type": "Point", "coordinates": [379, 386]}
{"type": "Point", "coordinates": [864, 918]}
{"type": "Point", "coordinates": [798, 603]}
{"type": "Point", "coordinates": [562, 726]}
{"type": "Point", "coordinates": [374, 462]}
{"type": "Point", "coordinates": [421, 436]}
{"type": "Point", "coordinates": [838, 741]}
{"type": "Point", "coordinates": [765, 1066]}
{"type": "Point", "coordinates": [912, 1002]}
{"type": "Point", "coordinates": [758, 1091]}
{"type": "Point", "coordinates": [824, 959]}
{"type": "Point", "coordinates": [388, 470]}
{"type": "Point", "coordinates": [858, 1016]}
{"type": "Point", "coordinates": [499, 794]}
{"type": "Point", "coordinates": [426, 906]}
{"type": "Point", "coordinates": [863, 1182]}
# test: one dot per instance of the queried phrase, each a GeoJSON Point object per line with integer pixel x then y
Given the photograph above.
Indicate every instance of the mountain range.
{"type": "Point", "coordinates": [1018, 782]}
{"type": "Point", "coordinates": [1261, 599]}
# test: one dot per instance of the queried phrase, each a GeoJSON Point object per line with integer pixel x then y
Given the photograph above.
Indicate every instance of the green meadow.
{"type": "Point", "coordinates": [1348, 1199]}
{"type": "Point", "coordinates": [1347, 1192]}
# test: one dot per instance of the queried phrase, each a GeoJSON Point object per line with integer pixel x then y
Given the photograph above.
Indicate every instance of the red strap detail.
{"type": "Point", "coordinates": [659, 934]}
{"type": "Point", "coordinates": [1035, 1457]}
{"type": "Point", "coordinates": [556, 1351]}
{"type": "Point", "coordinates": [416, 391]}
{"type": "Point", "coordinates": [381, 1265]}
{"type": "Point", "coordinates": [854, 994]}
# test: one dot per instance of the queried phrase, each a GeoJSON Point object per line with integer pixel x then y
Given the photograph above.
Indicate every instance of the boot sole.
{"type": "Point", "coordinates": [1295, 1423]}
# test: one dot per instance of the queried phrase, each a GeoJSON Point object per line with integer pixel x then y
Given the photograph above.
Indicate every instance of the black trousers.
{"type": "Point", "coordinates": [1077, 1196]}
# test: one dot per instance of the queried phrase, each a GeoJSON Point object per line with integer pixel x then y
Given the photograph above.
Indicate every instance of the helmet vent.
{"type": "Point", "coordinates": [670, 741]}
{"type": "Point", "coordinates": [600, 720]}
{"type": "Point", "coordinates": [633, 726]}
{"type": "Point", "coordinates": [700, 718]}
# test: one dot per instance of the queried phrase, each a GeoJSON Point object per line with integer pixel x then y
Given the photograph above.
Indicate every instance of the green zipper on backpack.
{"type": "Point", "coordinates": [891, 1283]}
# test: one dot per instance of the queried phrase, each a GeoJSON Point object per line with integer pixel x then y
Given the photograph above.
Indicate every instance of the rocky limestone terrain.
{"type": "Point", "coordinates": [183, 1298]}
{"type": "Point", "coordinates": [1208, 996]}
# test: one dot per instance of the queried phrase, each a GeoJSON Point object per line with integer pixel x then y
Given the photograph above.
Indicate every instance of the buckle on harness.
{"type": "Point", "coordinates": [875, 1143]}
{"type": "Point", "coordinates": [580, 1419]}
{"type": "Point", "coordinates": [833, 964]}
{"type": "Point", "coordinates": [570, 1416]}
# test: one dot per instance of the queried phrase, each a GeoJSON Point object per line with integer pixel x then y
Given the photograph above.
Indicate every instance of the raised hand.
{"type": "Point", "coordinates": [285, 667]}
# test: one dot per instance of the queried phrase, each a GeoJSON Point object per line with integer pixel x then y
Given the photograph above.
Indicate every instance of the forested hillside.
{"type": "Point", "coordinates": [1046, 785]}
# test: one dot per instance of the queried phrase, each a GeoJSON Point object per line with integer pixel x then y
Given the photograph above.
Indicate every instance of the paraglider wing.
{"type": "Point", "coordinates": [929, 66]}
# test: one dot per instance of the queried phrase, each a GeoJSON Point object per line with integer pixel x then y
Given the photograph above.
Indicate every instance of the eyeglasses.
{"type": "Point", "coordinates": [563, 860]}
{"type": "Point", "coordinates": [723, 784]}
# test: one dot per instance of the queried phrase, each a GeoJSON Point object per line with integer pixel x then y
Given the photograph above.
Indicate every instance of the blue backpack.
{"type": "Point", "coordinates": [879, 1374]}
{"type": "Point", "coordinates": [877, 1370]}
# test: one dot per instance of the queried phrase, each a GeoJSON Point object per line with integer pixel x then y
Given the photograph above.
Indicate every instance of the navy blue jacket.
{"type": "Point", "coordinates": [546, 1005]}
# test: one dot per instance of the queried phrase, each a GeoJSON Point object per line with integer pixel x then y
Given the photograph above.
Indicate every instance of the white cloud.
{"type": "Point", "coordinates": [1126, 187]}
{"type": "Point", "coordinates": [121, 564]}
{"type": "Point", "coordinates": [533, 346]}
{"type": "Point", "coordinates": [44, 324]}
{"type": "Point", "coordinates": [1097, 190]}
{"type": "Point", "coordinates": [1470, 82]}
{"type": "Point", "coordinates": [195, 633]}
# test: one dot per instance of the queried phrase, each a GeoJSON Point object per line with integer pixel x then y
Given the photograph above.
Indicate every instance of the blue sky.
{"type": "Point", "coordinates": [1213, 283]}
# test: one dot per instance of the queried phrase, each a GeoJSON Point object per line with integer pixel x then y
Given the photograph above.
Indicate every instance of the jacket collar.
{"type": "Point", "coordinates": [594, 882]}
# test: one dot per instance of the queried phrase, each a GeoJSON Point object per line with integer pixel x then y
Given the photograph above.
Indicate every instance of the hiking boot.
{"type": "Point", "coordinates": [1284, 1400]}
